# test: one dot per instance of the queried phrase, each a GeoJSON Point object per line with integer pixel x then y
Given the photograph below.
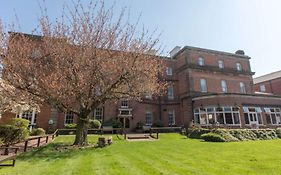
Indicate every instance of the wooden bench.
{"type": "Point", "coordinates": [107, 129]}
{"type": "Point", "coordinates": [146, 128]}
{"type": "Point", "coordinates": [8, 156]}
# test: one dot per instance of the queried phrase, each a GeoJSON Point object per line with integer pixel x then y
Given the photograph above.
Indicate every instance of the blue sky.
{"type": "Point", "coordinates": [251, 25]}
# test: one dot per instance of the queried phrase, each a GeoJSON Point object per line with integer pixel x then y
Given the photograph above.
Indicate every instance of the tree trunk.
{"type": "Point", "coordinates": [82, 130]}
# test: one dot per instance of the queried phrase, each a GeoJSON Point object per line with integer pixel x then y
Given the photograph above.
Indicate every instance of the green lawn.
{"type": "Point", "coordinates": [171, 154]}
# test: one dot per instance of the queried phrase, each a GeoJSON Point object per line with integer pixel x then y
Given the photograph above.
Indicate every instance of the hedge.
{"type": "Point", "coordinates": [37, 132]}
{"type": "Point", "coordinates": [232, 135]}
{"type": "Point", "coordinates": [212, 137]}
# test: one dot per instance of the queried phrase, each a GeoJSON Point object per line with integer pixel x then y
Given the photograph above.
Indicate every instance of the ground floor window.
{"type": "Point", "coordinates": [171, 118]}
{"type": "Point", "coordinates": [148, 118]}
{"type": "Point", "coordinates": [69, 118]}
{"type": "Point", "coordinates": [253, 115]}
{"type": "Point", "coordinates": [98, 114]}
{"type": "Point", "coordinates": [273, 116]}
{"type": "Point", "coordinates": [30, 115]}
{"type": "Point", "coordinates": [217, 115]}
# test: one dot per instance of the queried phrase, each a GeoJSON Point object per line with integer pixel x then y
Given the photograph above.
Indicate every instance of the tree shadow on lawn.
{"type": "Point", "coordinates": [53, 151]}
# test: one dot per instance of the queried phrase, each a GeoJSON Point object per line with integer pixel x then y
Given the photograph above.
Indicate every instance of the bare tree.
{"type": "Point", "coordinates": [81, 60]}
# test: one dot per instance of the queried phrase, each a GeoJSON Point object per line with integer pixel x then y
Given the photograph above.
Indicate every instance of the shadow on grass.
{"type": "Point", "coordinates": [53, 151]}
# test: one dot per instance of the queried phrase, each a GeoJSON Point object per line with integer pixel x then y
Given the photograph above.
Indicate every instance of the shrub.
{"type": "Point", "coordinates": [212, 137]}
{"type": "Point", "coordinates": [37, 132]}
{"type": "Point", "coordinates": [158, 123]}
{"type": "Point", "coordinates": [114, 123]}
{"type": "Point", "coordinates": [278, 132]}
{"type": "Point", "coordinates": [10, 134]}
{"type": "Point", "coordinates": [20, 122]}
{"type": "Point", "coordinates": [95, 124]}
{"type": "Point", "coordinates": [196, 133]}
{"type": "Point", "coordinates": [139, 125]}
{"type": "Point", "coordinates": [226, 135]}
{"type": "Point", "coordinates": [231, 135]}
{"type": "Point", "coordinates": [70, 126]}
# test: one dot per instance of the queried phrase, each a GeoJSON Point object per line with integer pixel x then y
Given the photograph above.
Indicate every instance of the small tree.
{"type": "Point", "coordinates": [81, 60]}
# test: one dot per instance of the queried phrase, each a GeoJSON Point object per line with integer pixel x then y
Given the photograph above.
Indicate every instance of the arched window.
{"type": "Point", "coordinates": [238, 66]}
{"type": "Point", "coordinates": [203, 85]}
{"type": "Point", "coordinates": [221, 64]}
{"type": "Point", "coordinates": [223, 86]}
{"type": "Point", "coordinates": [242, 88]}
{"type": "Point", "coordinates": [201, 61]}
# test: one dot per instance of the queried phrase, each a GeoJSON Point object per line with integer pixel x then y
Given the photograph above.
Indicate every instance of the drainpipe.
{"type": "Point", "coordinates": [160, 108]}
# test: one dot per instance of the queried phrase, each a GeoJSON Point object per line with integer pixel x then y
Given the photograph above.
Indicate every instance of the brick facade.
{"type": "Point", "coordinates": [187, 96]}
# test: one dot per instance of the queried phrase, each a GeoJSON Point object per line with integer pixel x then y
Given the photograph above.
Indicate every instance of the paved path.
{"type": "Point", "coordinates": [31, 144]}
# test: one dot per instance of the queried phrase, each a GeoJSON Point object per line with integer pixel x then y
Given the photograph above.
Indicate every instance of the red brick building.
{"type": "Point", "coordinates": [208, 88]}
{"type": "Point", "coordinates": [269, 83]}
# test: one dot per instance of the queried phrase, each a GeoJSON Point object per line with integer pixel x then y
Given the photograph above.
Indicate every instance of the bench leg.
{"type": "Point", "coordinates": [14, 162]}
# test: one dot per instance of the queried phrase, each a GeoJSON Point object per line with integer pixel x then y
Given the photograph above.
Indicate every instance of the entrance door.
{"type": "Point", "coordinates": [253, 119]}
{"type": "Point", "coordinates": [125, 122]}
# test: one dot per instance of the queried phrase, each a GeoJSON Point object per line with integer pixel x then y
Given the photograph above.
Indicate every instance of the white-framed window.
{"type": "Point", "coordinates": [69, 118]}
{"type": "Point", "coordinates": [171, 118]}
{"type": "Point", "coordinates": [223, 86]}
{"type": "Point", "coordinates": [252, 115]}
{"type": "Point", "coordinates": [262, 88]}
{"type": "Point", "coordinates": [217, 115]}
{"type": "Point", "coordinates": [124, 104]}
{"type": "Point", "coordinates": [238, 66]}
{"type": "Point", "coordinates": [169, 71]}
{"type": "Point", "coordinates": [273, 116]}
{"type": "Point", "coordinates": [148, 118]}
{"type": "Point", "coordinates": [30, 115]}
{"type": "Point", "coordinates": [221, 64]}
{"type": "Point", "coordinates": [203, 85]}
{"type": "Point", "coordinates": [170, 92]}
{"type": "Point", "coordinates": [201, 61]}
{"type": "Point", "coordinates": [242, 88]}
{"type": "Point", "coordinates": [98, 114]}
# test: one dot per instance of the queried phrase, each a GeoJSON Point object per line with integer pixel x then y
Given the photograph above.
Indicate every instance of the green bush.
{"type": "Point", "coordinates": [231, 135]}
{"type": "Point", "coordinates": [37, 132]}
{"type": "Point", "coordinates": [19, 122]}
{"type": "Point", "coordinates": [226, 135]}
{"type": "Point", "coordinates": [139, 125]}
{"type": "Point", "coordinates": [278, 132]}
{"type": "Point", "coordinates": [70, 126]}
{"type": "Point", "coordinates": [212, 137]}
{"type": "Point", "coordinates": [158, 123]}
{"type": "Point", "coordinates": [95, 124]}
{"type": "Point", "coordinates": [114, 123]}
{"type": "Point", "coordinates": [10, 134]}
{"type": "Point", "coordinates": [195, 133]}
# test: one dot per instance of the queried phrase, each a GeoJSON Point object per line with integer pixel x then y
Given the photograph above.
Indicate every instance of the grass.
{"type": "Point", "coordinates": [171, 154]}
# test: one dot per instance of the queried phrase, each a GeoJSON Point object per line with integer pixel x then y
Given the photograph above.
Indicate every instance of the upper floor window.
{"type": "Point", "coordinates": [169, 71]}
{"type": "Point", "coordinates": [242, 88]}
{"type": "Point", "coordinates": [124, 104]}
{"type": "Point", "coordinates": [98, 113]}
{"type": "Point", "coordinates": [170, 93]}
{"type": "Point", "coordinates": [223, 86]}
{"type": "Point", "coordinates": [238, 66]}
{"type": "Point", "coordinates": [221, 64]}
{"type": "Point", "coordinates": [262, 88]}
{"type": "Point", "coordinates": [201, 61]}
{"type": "Point", "coordinates": [203, 85]}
